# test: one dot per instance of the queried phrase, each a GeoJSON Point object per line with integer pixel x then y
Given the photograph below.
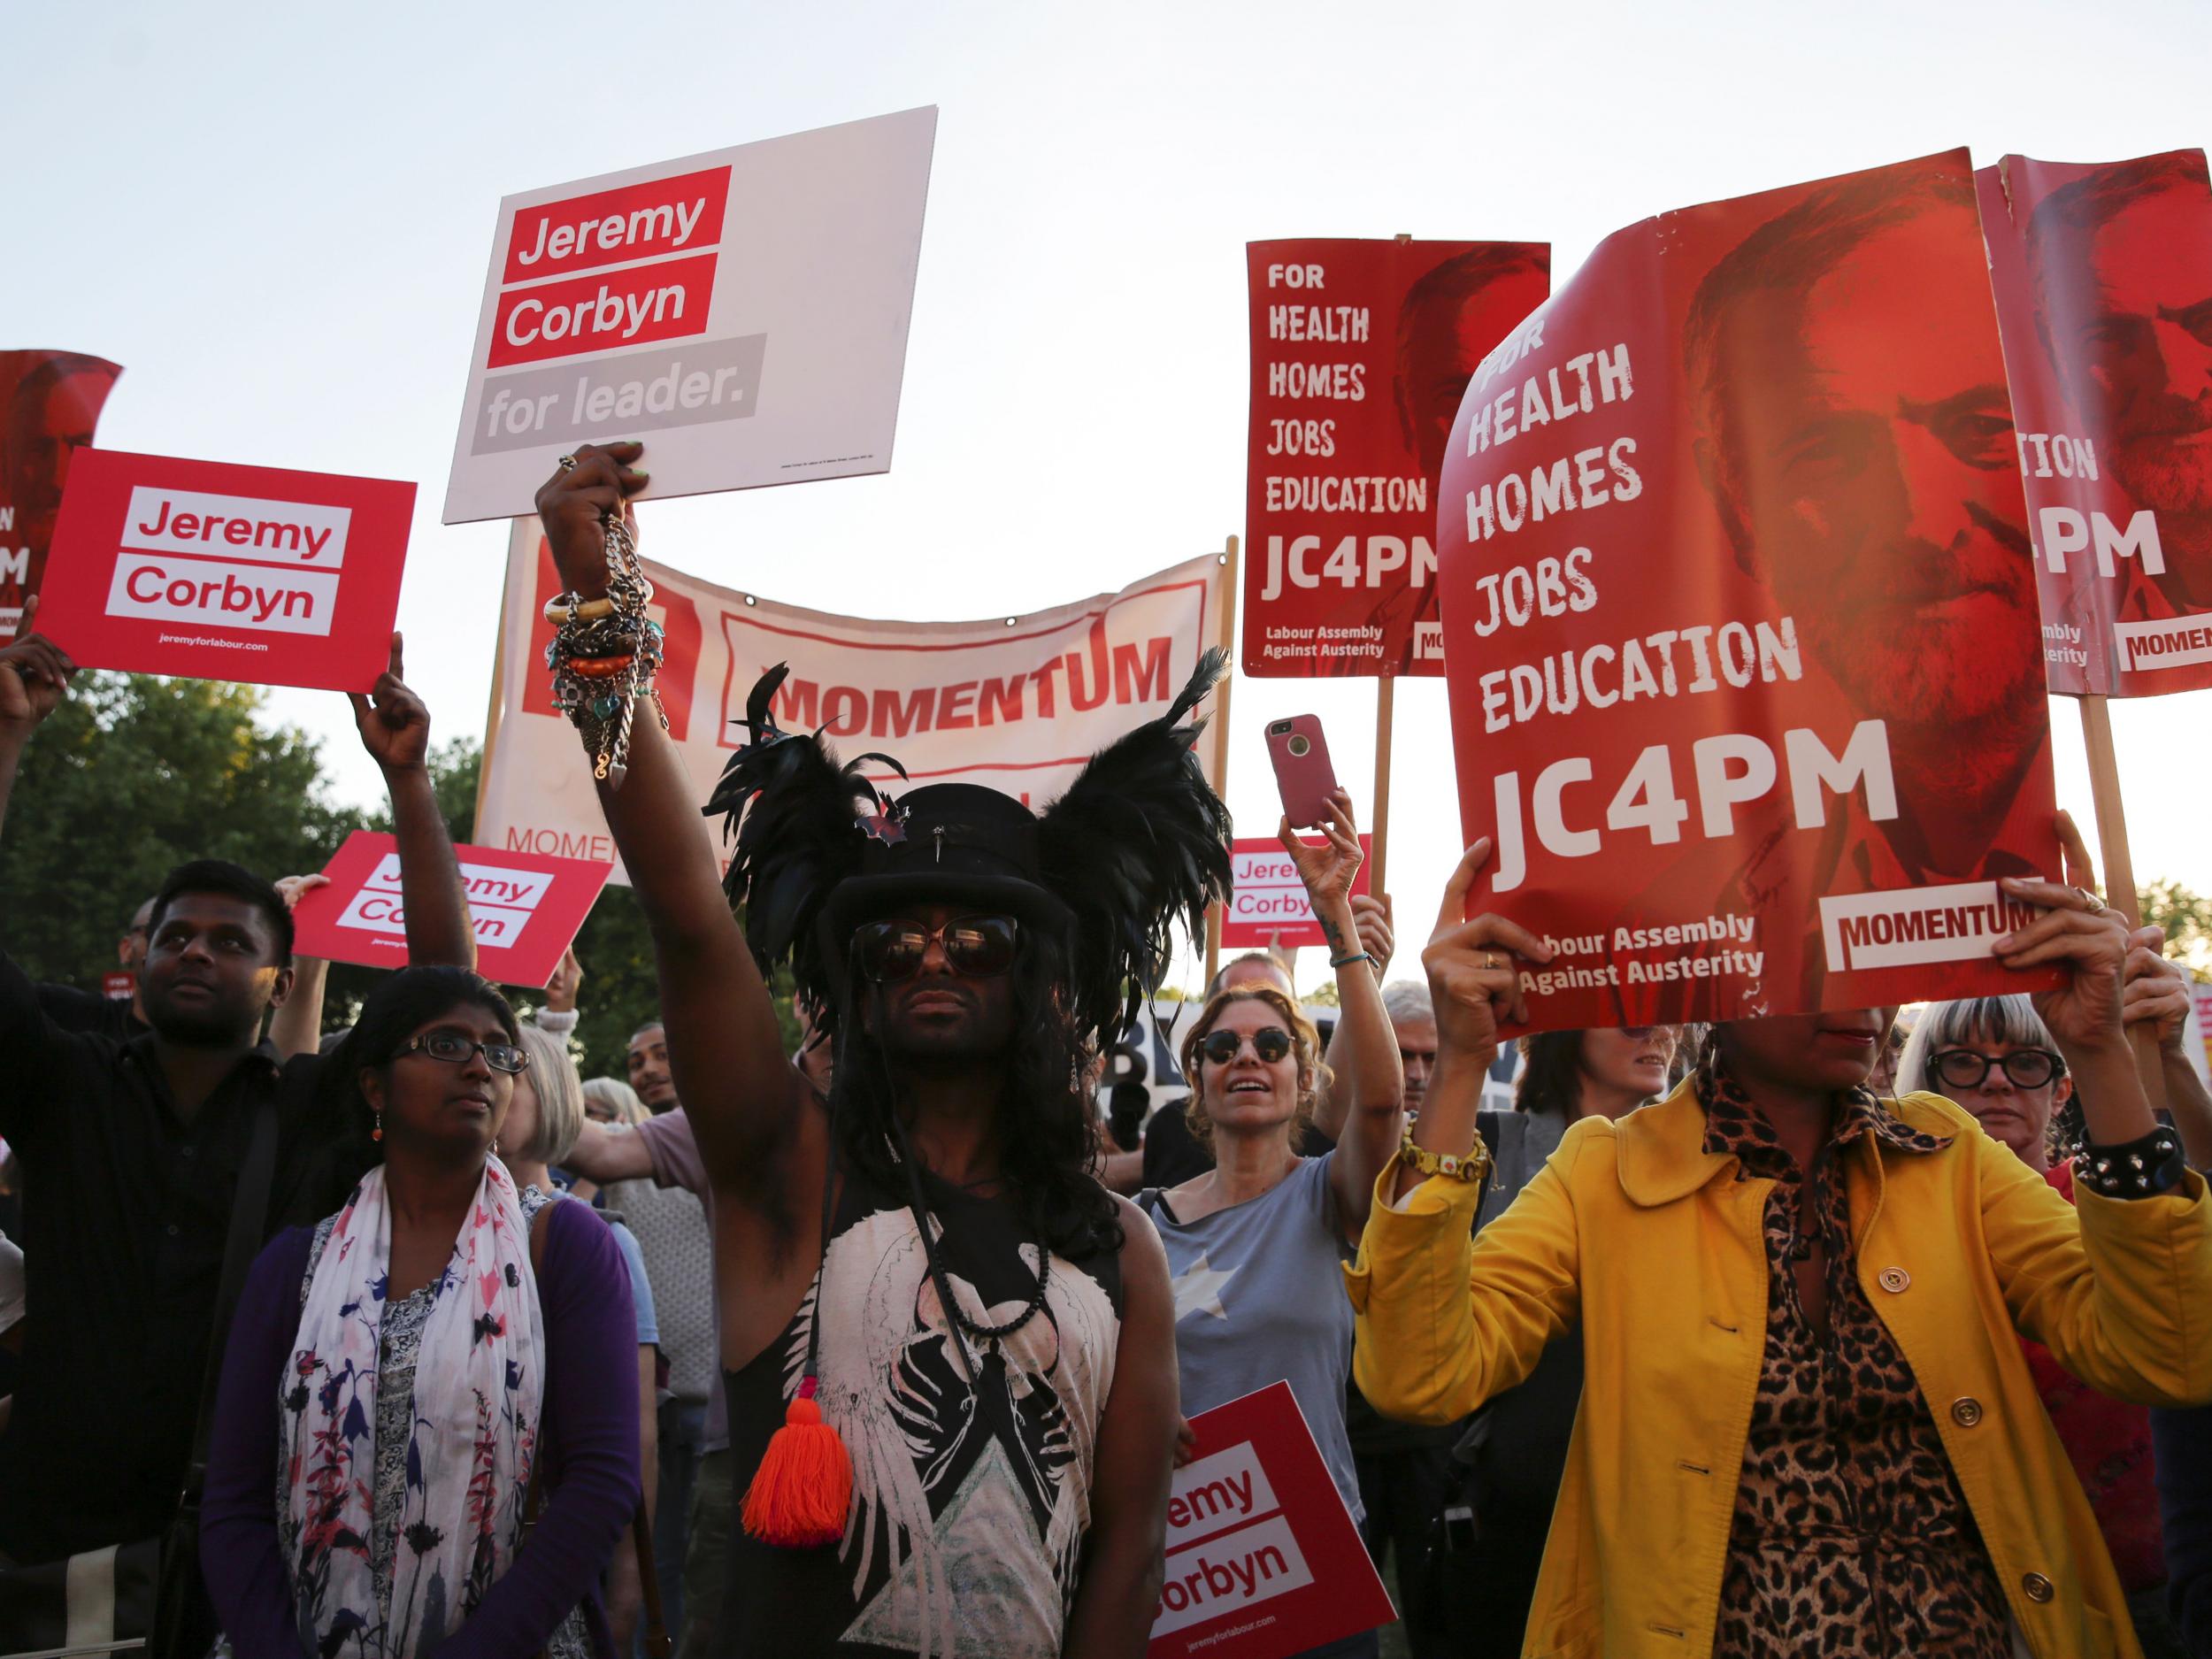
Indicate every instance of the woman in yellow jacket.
{"type": "Point", "coordinates": [1807, 1425]}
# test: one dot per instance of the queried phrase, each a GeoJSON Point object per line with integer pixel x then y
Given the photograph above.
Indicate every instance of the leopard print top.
{"type": "Point", "coordinates": [1851, 1533]}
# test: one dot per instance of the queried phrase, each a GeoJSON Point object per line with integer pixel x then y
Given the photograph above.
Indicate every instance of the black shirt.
{"type": "Point", "coordinates": [125, 1211]}
{"type": "Point", "coordinates": [80, 1011]}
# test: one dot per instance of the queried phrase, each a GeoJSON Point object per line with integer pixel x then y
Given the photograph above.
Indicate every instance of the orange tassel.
{"type": "Point", "coordinates": [804, 1483]}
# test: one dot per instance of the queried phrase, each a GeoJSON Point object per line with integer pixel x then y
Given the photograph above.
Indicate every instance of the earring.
{"type": "Point", "coordinates": [377, 1133]}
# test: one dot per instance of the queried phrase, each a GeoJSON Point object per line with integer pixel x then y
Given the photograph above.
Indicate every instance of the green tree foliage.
{"type": "Point", "coordinates": [130, 777]}
{"type": "Point", "coordinates": [2187, 919]}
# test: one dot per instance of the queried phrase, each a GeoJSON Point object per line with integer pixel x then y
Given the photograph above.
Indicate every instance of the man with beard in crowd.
{"type": "Point", "coordinates": [2121, 262]}
{"type": "Point", "coordinates": [1855, 435]}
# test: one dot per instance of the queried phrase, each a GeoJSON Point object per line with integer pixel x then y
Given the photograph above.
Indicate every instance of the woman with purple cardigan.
{"type": "Point", "coordinates": [411, 1380]}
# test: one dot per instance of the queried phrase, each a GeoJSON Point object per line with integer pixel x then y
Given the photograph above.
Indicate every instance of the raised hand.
{"type": "Point", "coordinates": [1371, 919]}
{"type": "Point", "coordinates": [2091, 940]}
{"type": "Point", "coordinates": [1328, 869]}
{"type": "Point", "coordinates": [394, 725]}
{"type": "Point", "coordinates": [34, 674]}
{"type": "Point", "coordinates": [575, 503]}
{"type": "Point", "coordinates": [1473, 980]}
{"type": "Point", "coordinates": [292, 889]}
{"type": "Point", "coordinates": [568, 978]}
{"type": "Point", "coordinates": [2154, 992]}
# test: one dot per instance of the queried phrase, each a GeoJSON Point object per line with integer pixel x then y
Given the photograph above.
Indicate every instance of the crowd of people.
{"type": "Point", "coordinates": [1783, 1336]}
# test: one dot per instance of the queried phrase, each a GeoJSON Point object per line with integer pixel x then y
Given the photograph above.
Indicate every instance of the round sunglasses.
{"type": "Point", "coordinates": [1270, 1042]}
{"type": "Point", "coordinates": [978, 946]}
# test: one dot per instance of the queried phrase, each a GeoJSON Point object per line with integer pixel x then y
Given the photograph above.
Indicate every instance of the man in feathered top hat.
{"type": "Point", "coordinates": [920, 1266]}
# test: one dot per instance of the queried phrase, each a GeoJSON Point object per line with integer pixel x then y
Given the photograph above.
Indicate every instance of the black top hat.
{"type": "Point", "coordinates": [953, 843]}
{"type": "Point", "coordinates": [1139, 842]}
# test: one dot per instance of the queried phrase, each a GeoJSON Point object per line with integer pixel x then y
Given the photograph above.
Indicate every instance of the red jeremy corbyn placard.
{"type": "Point", "coordinates": [2103, 276]}
{"type": "Point", "coordinates": [217, 571]}
{"type": "Point", "coordinates": [1740, 621]}
{"type": "Point", "coordinates": [1360, 351]}
{"type": "Point", "coordinates": [526, 908]}
{"type": "Point", "coordinates": [1263, 1558]}
{"type": "Point", "coordinates": [1270, 905]}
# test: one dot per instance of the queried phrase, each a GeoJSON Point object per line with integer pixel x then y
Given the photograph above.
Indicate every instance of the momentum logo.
{"type": "Point", "coordinates": [1914, 924]}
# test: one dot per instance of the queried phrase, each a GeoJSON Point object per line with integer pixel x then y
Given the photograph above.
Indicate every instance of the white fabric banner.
{"type": "Point", "coordinates": [1018, 703]}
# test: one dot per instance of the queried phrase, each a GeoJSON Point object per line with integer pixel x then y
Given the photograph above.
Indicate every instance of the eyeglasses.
{"type": "Point", "coordinates": [1270, 1042]}
{"type": "Point", "coordinates": [980, 947]}
{"type": "Point", "coordinates": [2028, 1068]}
{"type": "Point", "coordinates": [455, 1049]}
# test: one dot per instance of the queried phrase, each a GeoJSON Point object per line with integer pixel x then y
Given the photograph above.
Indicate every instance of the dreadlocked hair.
{"type": "Point", "coordinates": [1046, 1144]}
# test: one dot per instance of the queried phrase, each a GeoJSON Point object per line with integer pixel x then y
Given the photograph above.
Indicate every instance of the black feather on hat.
{"type": "Point", "coordinates": [1139, 842]}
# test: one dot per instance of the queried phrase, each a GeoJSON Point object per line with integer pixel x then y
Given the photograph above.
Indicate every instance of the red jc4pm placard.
{"type": "Point", "coordinates": [526, 908]}
{"type": "Point", "coordinates": [1263, 1558]}
{"type": "Point", "coordinates": [215, 571]}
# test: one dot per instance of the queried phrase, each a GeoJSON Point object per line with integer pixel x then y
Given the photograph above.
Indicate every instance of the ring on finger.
{"type": "Point", "coordinates": [568, 464]}
{"type": "Point", "coordinates": [2090, 901]}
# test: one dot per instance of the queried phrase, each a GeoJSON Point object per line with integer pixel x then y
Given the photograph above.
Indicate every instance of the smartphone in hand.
{"type": "Point", "coordinates": [1302, 772]}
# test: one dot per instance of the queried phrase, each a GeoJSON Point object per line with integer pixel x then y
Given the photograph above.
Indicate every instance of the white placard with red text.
{"type": "Point", "coordinates": [526, 908]}
{"type": "Point", "coordinates": [741, 313]}
{"type": "Point", "coordinates": [1268, 905]}
{"type": "Point", "coordinates": [212, 571]}
{"type": "Point", "coordinates": [1263, 1557]}
{"type": "Point", "coordinates": [1018, 708]}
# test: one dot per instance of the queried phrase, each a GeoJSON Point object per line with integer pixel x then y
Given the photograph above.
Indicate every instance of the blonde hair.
{"type": "Point", "coordinates": [619, 1097]}
{"type": "Point", "coordinates": [552, 1079]}
{"type": "Point", "coordinates": [1305, 1044]}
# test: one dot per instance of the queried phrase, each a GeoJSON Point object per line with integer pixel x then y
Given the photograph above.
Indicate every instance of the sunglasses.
{"type": "Point", "coordinates": [455, 1049]}
{"type": "Point", "coordinates": [2028, 1068]}
{"type": "Point", "coordinates": [1270, 1042]}
{"type": "Point", "coordinates": [978, 946]}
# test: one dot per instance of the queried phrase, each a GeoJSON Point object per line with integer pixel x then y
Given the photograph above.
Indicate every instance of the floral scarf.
{"type": "Point", "coordinates": [479, 1380]}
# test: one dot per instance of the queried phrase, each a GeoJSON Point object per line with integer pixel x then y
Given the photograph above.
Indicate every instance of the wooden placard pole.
{"type": "Point", "coordinates": [1227, 639]}
{"type": "Point", "coordinates": [499, 689]}
{"type": "Point", "coordinates": [2119, 863]}
{"type": "Point", "coordinates": [1385, 697]}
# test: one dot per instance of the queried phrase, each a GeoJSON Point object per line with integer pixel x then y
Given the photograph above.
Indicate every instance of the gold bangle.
{"type": "Point", "coordinates": [568, 607]}
{"type": "Point", "coordinates": [1474, 1166]}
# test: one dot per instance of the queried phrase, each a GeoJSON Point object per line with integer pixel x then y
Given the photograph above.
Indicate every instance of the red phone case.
{"type": "Point", "coordinates": [1304, 780]}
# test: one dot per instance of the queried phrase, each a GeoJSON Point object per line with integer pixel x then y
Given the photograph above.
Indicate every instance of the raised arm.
{"type": "Point", "coordinates": [1372, 1092]}
{"type": "Point", "coordinates": [34, 674]}
{"type": "Point", "coordinates": [2157, 999]}
{"type": "Point", "coordinates": [396, 730]}
{"type": "Point", "coordinates": [1371, 926]}
{"type": "Point", "coordinates": [724, 1047]}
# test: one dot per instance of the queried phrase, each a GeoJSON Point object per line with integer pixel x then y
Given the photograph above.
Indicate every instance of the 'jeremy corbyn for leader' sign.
{"type": "Point", "coordinates": [215, 571]}
{"type": "Point", "coordinates": [742, 313]}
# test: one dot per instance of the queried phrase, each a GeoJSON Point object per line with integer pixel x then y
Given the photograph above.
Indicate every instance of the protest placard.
{"type": "Point", "coordinates": [2103, 277]}
{"type": "Point", "coordinates": [50, 402]}
{"type": "Point", "coordinates": [1270, 905]}
{"type": "Point", "coordinates": [742, 313]}
{"type": "Point", "coordinates": [1360, 351]}
{"type": "Point", "coordinates": [217, 571]}
{"type": "Point", "coordinates": [525, 907]}
{"type": "Point", "coordinates": [1019, 703]}
{"type": "Point", "coordinates": [1746, 674]}
{"type": "Point", "coordinates": [1263, 1558]}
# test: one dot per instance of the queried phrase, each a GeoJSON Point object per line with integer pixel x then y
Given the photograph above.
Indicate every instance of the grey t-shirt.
{"type": "Point", "coordinates": [1259, 1300]}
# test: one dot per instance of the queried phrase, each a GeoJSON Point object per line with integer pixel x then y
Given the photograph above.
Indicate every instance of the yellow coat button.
{"type": "Point", "coordinates": [1966, 1413]}
{"type": "Point", "coordinates": [2038, 1586]}
{"type": "Point", "coordinates": [1893, 1280]}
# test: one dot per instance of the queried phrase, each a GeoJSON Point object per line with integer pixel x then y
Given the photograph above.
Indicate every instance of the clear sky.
{"type": "Point", "coordinates": [278, 219]}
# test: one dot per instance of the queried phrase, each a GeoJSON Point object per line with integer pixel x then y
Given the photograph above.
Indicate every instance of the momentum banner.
{"type": "Point", "coordinates": [50, 402]}
{"type": "Point", "coordinates": [2103, 274]}
{"type": "Point", "coordinates": [1360, 351]}
{"type": "Point", "coordinates": [1740, 623]}
{"type": "Point", "coordinates": [742, 313]}
{"type": "Point", "coordinates": [215, 571]}
{"type": "Point", "coordinates": [1019, 703]}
